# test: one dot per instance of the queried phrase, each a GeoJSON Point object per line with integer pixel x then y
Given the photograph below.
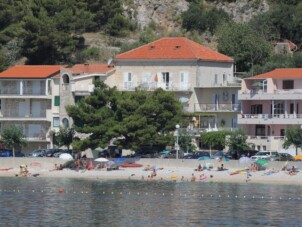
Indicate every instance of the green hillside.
{"type": "Point", "coordinates": [77, 31]}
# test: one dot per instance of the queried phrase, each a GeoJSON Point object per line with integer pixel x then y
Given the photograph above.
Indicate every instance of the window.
{"type": "Point", "coordinates": [256, 109]}
{"type": "Point", "coordinates": [260, 130]}
{"type": "Point", "coordinates": [279, 108]}
{"type": "Point", "coordinates": [65, 79]}
{"type": "Point", "coordinates": [129, 77]}
{"type": "Point", "coordinates": [77, 99]}
{"type": "Point", "coordinates": [65, 122]}
{"type": "Point", "coordinates": [56, 121]}
{"type": "Point", "coordinates": [57, 101]}
{"type": "Point", "coordinates": [216, 79]}
{"type": "Point", "coordinates": [282, 132]}
{"type": "Point", "coordinates": [288, 84]}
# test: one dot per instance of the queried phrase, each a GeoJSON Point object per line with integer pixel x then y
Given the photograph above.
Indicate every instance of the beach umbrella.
{"type": "Point", "coordinates": [262, 164]}
{"type": "Point", "coordinates": [298, 157]}
{"type": "Point", "coordinates": [244, 160]}
{"type": "Point", "coordinates": [66, 156]}
{"type": "Point", "coordinates": [203, 158]}
{"type": "Point", "coordinates": [257, 84]}
{"type": "Point", "coordinates": [223, 160]}
{"type": "Point", "coordinates": [101, 160]}
{"type": "Point", "coordinates": [165, 152]}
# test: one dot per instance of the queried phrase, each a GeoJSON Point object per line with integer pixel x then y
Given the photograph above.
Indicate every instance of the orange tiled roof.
{"type": "Point", "coordinates": [174, 48]}
{"type": "Point", "coordinates": [91, 68]}
{"type": "Point", "coordinates": [31, 71]}
{"type": "Point", "coordinates": [286, 73]}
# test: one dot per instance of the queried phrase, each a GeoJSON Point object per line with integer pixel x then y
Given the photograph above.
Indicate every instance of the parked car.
{"type": "Point", "coordinates": [238, 154]}
{"type": "Point", "coordinates": [286, 157]}
{"type": "Point", "coordinates": [51, 152]}
{"type": "Point", "coordinates": [37, 153]}
{"type": "Point", "coordinates": [6, 153]}
{"type": "Point", "coordinates": [268, 155]}
{"type": "Point", "coordinates": [197, 155]}
{"type": "Point", "coordinates": [218, 155]}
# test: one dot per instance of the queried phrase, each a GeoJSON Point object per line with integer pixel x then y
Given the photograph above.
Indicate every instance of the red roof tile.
{"type": "Point", "coordinates": [31, 71]}
{"type": "Point", "coordinates": [91, 68]}
{"type": "Point", "coordinates": [174, 48]}
{"type": "Point", "coordinates": [287, 73]}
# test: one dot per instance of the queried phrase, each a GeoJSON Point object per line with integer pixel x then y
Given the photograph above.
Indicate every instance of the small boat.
{"type": "Point", "coordinates": [131, 165]}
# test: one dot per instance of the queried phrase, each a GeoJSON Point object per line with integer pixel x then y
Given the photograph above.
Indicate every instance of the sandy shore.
{"type": "Point", "coordinates": [167, 173]}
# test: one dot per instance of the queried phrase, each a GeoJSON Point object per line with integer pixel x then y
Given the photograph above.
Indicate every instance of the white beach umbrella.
{"type": "Point", "coordinates": [244, 160]}
{"type": "Point", "coordinates": [101, 160]}
{"type": "Point", "coordinates": [66, 156]}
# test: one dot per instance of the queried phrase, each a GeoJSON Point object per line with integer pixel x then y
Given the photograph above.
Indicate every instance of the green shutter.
{"type": "Point", "coordinates": [57, 100]}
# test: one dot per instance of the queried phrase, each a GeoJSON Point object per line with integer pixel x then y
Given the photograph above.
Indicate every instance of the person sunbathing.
{"type": "Point", "coordinates": [292, 171]}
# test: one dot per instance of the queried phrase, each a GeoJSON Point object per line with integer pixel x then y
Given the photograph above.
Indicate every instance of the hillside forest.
{"type": "Point", "coordinates": [55, 32]}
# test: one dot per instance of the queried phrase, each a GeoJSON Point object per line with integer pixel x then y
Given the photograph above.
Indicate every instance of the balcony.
{"type": "Point", "coordinates": [236, 83]}
{"type": "Point", "coordinates": [199, 107]}
{"type": "Point", "coordinates": [151, 86]}
{"type": "Point", "coordinates": [15, 116]}
{"type": "Point", "coordinates": [17, 89]}
{"type": "Point", "coordinates": [81, 89]}
{"type": "Point", "coordinates": [276, 119]}
{"type": "Point", "coordinates": [293, 94]}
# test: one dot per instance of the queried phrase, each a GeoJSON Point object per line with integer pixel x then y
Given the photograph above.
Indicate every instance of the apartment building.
{"type": "Point", "coordinates": [271, 103]}
{"type": "Point", "coordinates": [201, 78]}
{"type": "Point", "coordinates": [29, 98]}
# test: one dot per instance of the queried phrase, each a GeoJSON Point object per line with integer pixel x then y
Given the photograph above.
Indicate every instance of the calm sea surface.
{"type": "Point", "coordinates": [38, 202]}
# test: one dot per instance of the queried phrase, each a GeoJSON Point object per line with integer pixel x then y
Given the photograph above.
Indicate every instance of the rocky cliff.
{"type": "Point", "coordinates": [166, 13]}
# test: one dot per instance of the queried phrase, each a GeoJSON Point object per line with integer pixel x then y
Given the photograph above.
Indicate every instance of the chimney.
{"type": "Point", "coordinates": [86, 67]}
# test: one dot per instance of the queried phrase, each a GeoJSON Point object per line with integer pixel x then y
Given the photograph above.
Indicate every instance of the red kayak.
{"type": "Point", "coordinates": [5, 169]}
{"type": "Point", "coordinates": [131, 165]}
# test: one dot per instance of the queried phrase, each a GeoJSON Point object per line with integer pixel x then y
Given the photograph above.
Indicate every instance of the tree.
{"type": "Point", "coordinates": [133, 119]}
{"type": "Point", "coordinates": [244, 44]}
{"type": "Point", "coordinates": [65, 136]}
{"type": "Point", "coordinates": [13, 137]}
{"type": "Point", "coordinates": [237, 141]}
{"type": "Point", "coordinates": [293, 136]}
{"type": "Point", "coordinates": [215, 139]}
{"type": "Point", "coordinates": [185, 142]}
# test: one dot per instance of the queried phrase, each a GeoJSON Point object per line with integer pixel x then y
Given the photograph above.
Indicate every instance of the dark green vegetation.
{"type": "Point", "coordinates": [293, 136]}
{"type": "Point", "coordinates": [219, 139]}
{"type": "Point", "coordinates": [13, 137]}
{"type": "Point", "coordinates": [130, 120]}
{"type": "Point", "coordinates": [64, 137]}
{"type": "Point", "coordinates": [250, 44]}
{"type": "Point", "coordinates": [51, 31]}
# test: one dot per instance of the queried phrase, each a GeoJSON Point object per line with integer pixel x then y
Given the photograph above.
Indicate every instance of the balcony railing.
{"type": "Point", "coordinates": [270, 116]}
{"type": "Point", "coordinates": [217, 107]}
{"type": "Point", "coordinates": [232, 83]}
{"type": "Point", "coordinates": [150, 86]}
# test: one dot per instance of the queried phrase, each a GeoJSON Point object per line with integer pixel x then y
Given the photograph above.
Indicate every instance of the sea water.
{"type": "Point", "coordinates": [73, 202]}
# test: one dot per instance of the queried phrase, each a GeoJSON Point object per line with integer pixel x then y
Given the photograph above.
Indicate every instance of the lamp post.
{"type": "Point", "coordinates": [177, 145]}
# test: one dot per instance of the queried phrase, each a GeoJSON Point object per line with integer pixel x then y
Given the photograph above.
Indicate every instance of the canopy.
{"type": "Point", "coordinates": [66, 156]}
{"type": "Point", "coordinates": [203, 158]}
{"type": "Point", "coordinates": [165, 152]}
{"type": "Point", "coordinates": [101, 160]}
{"type": "Point", "coordinates": [262, 162]}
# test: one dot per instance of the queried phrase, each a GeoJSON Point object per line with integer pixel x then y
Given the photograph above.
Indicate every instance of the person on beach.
{"type": "Point", "coordinates": [292, 171]}
{"type": "Point", "coordinates": [183, 179]}
{"type": "Point", "coordinates": [199, 168]}
{"type": "Point", "coordinates": [221, 168]}
{"type": "Point", "coordinates": [193, 178]}
{"type": "Point", "coordinates": [153, 174]}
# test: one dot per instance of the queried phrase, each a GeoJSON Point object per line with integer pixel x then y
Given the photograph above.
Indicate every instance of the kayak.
{"type": "Point", "coordinates": [131, 165]}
